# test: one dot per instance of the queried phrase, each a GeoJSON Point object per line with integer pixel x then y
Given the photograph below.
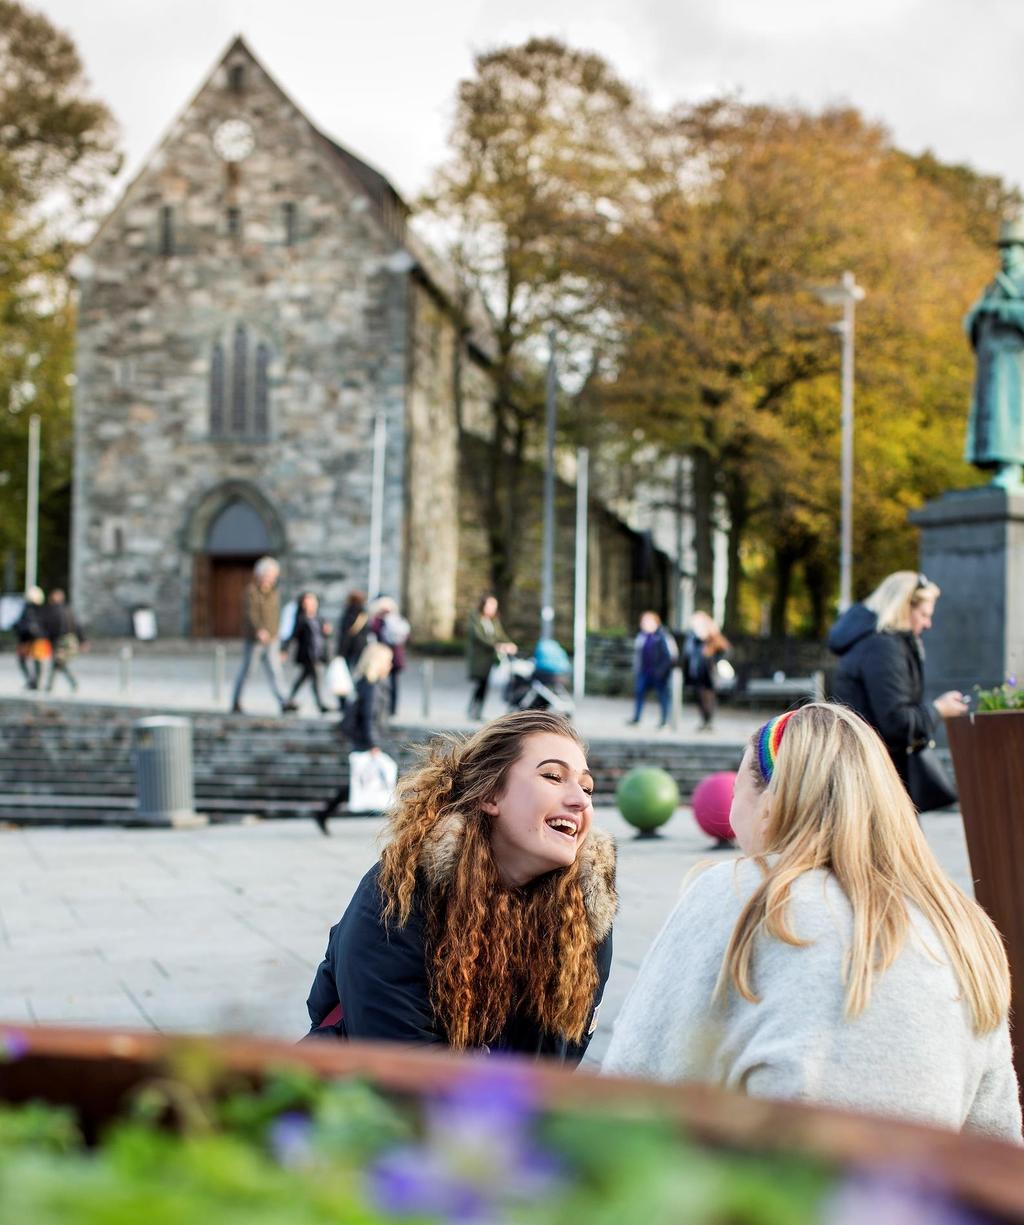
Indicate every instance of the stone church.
{"type": "Point", "coordinates": [252, 314]}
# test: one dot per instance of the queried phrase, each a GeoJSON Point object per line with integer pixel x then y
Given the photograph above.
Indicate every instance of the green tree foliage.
{"type": "Point", "coordinates": [57, 154]}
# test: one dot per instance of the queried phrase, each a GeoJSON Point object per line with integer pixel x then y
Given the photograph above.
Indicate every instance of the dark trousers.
{"type": "Point", "coordinates": [59, 665]}
{"type": "Point", "coordinates": [30, 670]}
{"type": "Point", "coordinates": [308, 673]}
{"type": "Point", "coordinates": [644, 684]}
{"type": "Point", "coordinates": [706, 702]}
{"type": "Point", "coordinates": [479, 696]}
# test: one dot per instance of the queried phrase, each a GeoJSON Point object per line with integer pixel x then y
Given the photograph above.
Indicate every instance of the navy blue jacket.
{"type": "Point", "coordinates": [881, 676]}
{"type": "Point", "coordinates": [380, 975]}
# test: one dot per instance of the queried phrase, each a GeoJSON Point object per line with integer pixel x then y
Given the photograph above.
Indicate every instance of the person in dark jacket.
{"type": "Point", "coordinates": [309, 637]}
{"type": "Point", "coordinates": [353, 634]}
{"type": "Point", "coordinates": [29, 631]}
{"type": "Point", "coordinates": [387, 625]}
{"type": "Point", "coordinates": [359, 724]}
{"type": "Point", "coordinates": [61, 627]}
{"type": "Point", "coordinates": [703, 647]}
{"type": "Point", "coordinates": [486, 924]}
{"type": "Point", "coordinates": [654, 656]}
{"type": "Point", "coordinates": [486, 645]}
{"type": "Point", "coordinates": [881, 665]}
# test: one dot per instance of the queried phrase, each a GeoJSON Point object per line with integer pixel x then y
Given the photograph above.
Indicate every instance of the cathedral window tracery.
{"type": "Point", "coordinates": [239, 405]}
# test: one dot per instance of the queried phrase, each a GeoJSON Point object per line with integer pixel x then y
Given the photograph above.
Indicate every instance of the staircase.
{"type": "Point", "coordinates": [72, 764]}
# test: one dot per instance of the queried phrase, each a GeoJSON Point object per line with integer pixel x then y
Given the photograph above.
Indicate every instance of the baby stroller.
{"type": "Point", "coordinates": [538, 683]}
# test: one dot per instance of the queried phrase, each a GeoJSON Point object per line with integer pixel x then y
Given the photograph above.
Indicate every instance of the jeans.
{"type": "Point", "coordinates": [644, 684]}
{"type": "Point", "coordinates": [268, 655]}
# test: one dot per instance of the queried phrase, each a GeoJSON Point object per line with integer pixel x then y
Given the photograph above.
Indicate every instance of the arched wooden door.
{"type": "Point", "coordinates": [236, 538]}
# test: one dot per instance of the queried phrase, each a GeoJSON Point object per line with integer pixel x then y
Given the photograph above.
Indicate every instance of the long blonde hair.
{"type": "Point", "coordinates": [836, 802]}
{"type": "Point", "coordinates": [490, 948]}
{"type": "Point", "coordinates": [894, 597]}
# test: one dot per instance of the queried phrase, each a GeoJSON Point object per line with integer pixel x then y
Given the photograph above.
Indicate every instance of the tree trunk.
{"type": "Point", "coordinates": [704, 528]}
{"type": "Point", "coordinates": [784, 561]}
{"type": "Point", "coordinates": [739, 513]}
{"type": "Point", "coordinates": [816, 576]}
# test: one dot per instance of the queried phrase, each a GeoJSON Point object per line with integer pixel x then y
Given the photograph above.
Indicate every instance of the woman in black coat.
{"type": "Point", "coordinates": [309, 636]}
{"type": "Point", "coordinates": [486, 924]}
{"type": "Point", "coordinates": [881, 665]}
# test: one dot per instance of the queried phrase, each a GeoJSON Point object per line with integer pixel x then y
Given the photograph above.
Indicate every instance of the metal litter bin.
{"type": "Point", "coordinates": [162, 754]}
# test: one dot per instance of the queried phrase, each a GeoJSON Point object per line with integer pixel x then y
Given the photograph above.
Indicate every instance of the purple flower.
{"type": "Point", "coordinates": [892, 1199]}
{"type": "Point", "coordinates": [1012, 682]}
{"type": "Point", "coordinates": [291, 1139]}
{"type": "Point", "coordinates": [477, 1155]}
{"type": "Point", "coordinates": [13, 1045]}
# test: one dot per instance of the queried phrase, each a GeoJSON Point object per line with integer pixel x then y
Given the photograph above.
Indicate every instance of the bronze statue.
{"type": "Point", "coordinates": [995, 324]}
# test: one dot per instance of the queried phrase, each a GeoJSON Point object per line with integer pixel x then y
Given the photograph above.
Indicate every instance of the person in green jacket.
{"type": "Point", "coordinates": [486, 644]}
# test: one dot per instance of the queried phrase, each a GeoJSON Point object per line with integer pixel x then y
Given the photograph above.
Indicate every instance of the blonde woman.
{"type": "Point", "coordinates": [835, 963]}
{"type": "Point", "coordinates": [881, 667]}
{"type": "Point", "coordinates": [486, 924]}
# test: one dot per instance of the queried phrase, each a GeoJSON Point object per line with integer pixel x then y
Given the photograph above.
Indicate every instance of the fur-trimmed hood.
{"type": "Point", "coordinates": [597, 857]}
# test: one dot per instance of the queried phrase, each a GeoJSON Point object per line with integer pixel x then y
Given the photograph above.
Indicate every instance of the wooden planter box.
{"type": "Point", "coordinates": [988, 756]}
{"type": "Point", "coordinates": [92, 1071]}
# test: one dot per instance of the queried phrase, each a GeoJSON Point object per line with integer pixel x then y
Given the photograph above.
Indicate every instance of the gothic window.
{"type": "Point", "coordinates": [166, 230]}
{"type": "Point", "coordinates": [236, 78]}
{"type": "Point", "coordinates": [260, 422]}
{"type": "Point", "coordinates": [217, 390]}
{"type": "Point", "coordinates": [240, 386]}
{"type": "Point", "coordinates": [234, 222]}
{"type": "Point", "coordinates": [239, 380]}
{"type": "Point", "coordinates": [288, 212]}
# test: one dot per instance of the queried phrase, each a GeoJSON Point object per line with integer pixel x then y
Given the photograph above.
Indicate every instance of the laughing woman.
{"type": "Point", "coordinates": [487, 921]}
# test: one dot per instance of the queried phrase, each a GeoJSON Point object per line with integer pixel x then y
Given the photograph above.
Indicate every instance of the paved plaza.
{"type": "Point", "coordinates": [192, 679]}
{"type": "Point", "coordinates": [221, 928]}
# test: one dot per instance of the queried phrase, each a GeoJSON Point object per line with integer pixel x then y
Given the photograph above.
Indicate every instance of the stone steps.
{"type": "Point", "coordinates": [74, 762]}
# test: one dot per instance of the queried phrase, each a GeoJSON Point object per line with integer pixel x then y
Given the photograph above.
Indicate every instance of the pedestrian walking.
{"type": "Point", "coordinates": [704, 647]}
{"type": "Point", "coordinates": [487, 644]}
{"type": "Point", "coordinates": [388, 626]}
{"type": "Point", "coordinates": [353, 632]}
{"type": "Point", "coordinates": [261, 621]}
{"type": "Point", "coordinates": [309, 638]}
{"type": "Point", "coordinates": [881, 677]}
{"type": "Point", "coordinates": [486, 924]}
{"type": "Point", "coordinates": [361, 719]}
{"type": "Point", "coordinates": [33, 647]}
{"type": "Point", "coordinates": [835, 964]}
{"type": "Point", "coordinates": [654, 656]}
{"type": "Point", "coordinates": [65, 637]}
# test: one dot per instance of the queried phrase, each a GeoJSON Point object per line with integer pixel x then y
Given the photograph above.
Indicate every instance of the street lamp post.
{"type": "Point", "coordinates": [547, 578]}
{"type": "Point", "coordinates": [32, 510]}
{"type": "Point", "coordinates": [846, 294]}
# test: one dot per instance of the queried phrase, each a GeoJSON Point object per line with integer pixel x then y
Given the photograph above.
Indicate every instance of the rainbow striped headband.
{"type": "Point", "coordinates": [767, 744]}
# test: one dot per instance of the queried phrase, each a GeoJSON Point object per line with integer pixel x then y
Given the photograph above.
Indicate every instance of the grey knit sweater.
{"type": "Point", "coordinates": [912, 1053]}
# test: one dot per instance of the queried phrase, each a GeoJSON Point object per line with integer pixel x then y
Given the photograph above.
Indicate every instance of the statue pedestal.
{"type": "Point", "coordinates": [972, 546]}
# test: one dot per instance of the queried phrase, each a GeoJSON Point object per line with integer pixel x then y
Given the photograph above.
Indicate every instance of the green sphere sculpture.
{"type": "Point", "coordinates": [647, 797]}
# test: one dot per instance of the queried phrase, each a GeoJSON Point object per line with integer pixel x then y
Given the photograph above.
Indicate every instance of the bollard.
{"type": "Point", "coordinates": [428, 685]}
{"type": "Point", "coordinates": [125, 669]}
{"type": "Point", "coordinates": [676, 708]}
{"type": "Point", "coordinates": [218, 674]}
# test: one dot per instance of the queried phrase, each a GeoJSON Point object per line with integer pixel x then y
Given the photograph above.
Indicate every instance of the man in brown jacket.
{"type": "Point", "coordinates": [261, 619]}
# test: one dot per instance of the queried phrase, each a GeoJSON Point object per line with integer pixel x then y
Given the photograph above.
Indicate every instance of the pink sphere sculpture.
{"type": "Point", "coordinates": [711, 802]}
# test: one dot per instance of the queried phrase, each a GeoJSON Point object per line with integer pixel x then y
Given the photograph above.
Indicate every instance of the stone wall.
{"type": "Point", "coordinates": [331, 305]}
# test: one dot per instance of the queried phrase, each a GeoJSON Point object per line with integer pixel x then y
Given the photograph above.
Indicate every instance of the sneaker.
{"type": "Point", "coordinates": [321, 823]}
{"type": "Point", "coordinates": [288, 708]}
{"type": "Point", "coordinates": [237, 710]}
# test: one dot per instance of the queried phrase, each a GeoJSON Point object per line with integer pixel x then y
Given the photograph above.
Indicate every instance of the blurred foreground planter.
{"type": "Point", "coordinates": [988, 756]}
{"type": "Point", "coordinates": [95, 1071]}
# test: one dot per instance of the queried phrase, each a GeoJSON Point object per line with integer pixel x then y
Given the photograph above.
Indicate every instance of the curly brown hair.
{"type": "Point", "coordinates": [491, 949]}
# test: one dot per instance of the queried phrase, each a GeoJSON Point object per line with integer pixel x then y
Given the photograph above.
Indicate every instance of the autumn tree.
{"type": "Point", "coordinates": [57, 154]}
{"type": "Point", "coordinates": [542, 151]}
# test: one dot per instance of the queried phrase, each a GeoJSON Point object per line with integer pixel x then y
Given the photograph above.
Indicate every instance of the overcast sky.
{"type": "Point", "coordinates": [380, 76]}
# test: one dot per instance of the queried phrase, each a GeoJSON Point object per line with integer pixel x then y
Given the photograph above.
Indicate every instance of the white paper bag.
{"type": "Point", "coordinates": [371, 781]}
{"type": "Point", "coordinates": [339, 679]}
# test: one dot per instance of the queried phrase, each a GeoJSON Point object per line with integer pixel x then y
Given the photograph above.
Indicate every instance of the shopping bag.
{"type": "Point", "coordinates": [371, 782]}
{"type": "Point", "coordinates": [339, 679]}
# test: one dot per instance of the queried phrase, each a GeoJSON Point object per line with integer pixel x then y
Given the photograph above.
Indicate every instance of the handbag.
{"type": "Point", "coordinates": [339, 678]}
{"type": "Point", "coordinates": [371, 782]}
{"type": "Point", "coordinates": [929, 785]}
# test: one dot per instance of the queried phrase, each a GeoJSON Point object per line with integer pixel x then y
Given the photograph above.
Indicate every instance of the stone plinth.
{"type": "Point", "coordinates": [972, 545]}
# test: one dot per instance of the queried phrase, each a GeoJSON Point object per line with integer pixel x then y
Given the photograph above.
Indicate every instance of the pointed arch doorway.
{"type": "Point", "coordinates": [229, 531]}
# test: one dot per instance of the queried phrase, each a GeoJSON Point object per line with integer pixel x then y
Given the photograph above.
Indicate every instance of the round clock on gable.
{"type": "Point", "coordinates": [234, 140]}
